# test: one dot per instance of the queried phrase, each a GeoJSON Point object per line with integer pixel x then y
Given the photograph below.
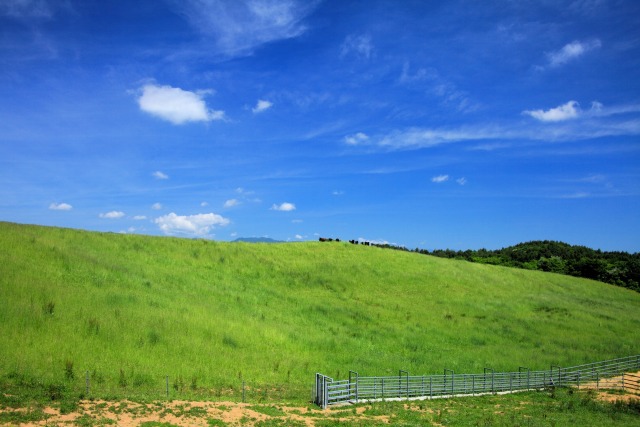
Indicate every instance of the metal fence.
{"type": "Point", "coordinates": [356, 388]}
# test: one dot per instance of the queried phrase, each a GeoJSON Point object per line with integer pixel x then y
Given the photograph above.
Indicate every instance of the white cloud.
{"type": "Point", "coordinates": [570, 52]}
{"type": "Point", "coordinates": [568, 111]}
{"type": "Point", "coordinates": [337, 193]}
{"type": "Point", "coordinates": [284, 207]}
{"type": "Point", "coordinates": [231, 203]}
{"type": "Point", "coordinates": [261, 105]}
{"type": "Point", "coordinates": [240, 26]}
{"type": "Point", "coordinates": [60, 207]}
{"type": "Point", "coordinates": [597, 122]}
{"type": "Point", "coordinates": [160, 175]}
{"type": "Point", "coordinates": [156, 206]}
{"type": "Point", "coordinates": [576, 195]}
{"type": "Point", "coordinates": [361, 46]}
{"type": "Point", "coordinates": [139, 217]}
{"type": "Point", "coordinates": [461, 181]}
{"type": "Point", "coordinates": [423, 138]}
{"type": "Point", "coordinates": [440, 179]}
{"type": "Point", "coordinates": [204, 204]}
{"type": "Point", "coordinates": [356, 139]}
{"type": "Point", "coordinates": [299, 237]}
{"type": "Point", "coordinates": [195, 225]}
{"type": "Point", "coordinates": [176, 105]}
{"type": "Point", "coordinates": [112, 215]}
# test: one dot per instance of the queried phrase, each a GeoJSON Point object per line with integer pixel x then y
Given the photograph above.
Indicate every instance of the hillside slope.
{"type": "Point", "coordinates": [131, 309]}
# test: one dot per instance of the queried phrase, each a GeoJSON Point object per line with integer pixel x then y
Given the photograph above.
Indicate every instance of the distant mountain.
{"type": "Point", "coordinates": [257, 240]}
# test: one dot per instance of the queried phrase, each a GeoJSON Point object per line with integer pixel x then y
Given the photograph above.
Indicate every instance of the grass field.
{"type": "Point", "coordinates": [131, 310]}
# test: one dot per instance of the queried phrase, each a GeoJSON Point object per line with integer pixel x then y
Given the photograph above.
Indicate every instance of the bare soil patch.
{"type": "Point", "coordinates": [610, 389]}
{"type": "Point", "coordinates": [184, 413]}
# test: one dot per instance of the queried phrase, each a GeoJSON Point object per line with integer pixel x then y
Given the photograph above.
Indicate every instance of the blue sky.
{"type": "Point", "coordinates": [431, 124]}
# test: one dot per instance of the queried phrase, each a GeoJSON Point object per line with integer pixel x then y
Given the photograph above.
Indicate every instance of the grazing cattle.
{"type": "Point", "coordinates": [326, 239]}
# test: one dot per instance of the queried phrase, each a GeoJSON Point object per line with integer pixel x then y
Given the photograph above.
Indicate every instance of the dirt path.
{"type": "Point", "coordinates": [610, 389]}
{"type": "Point", "coordinates": [190, 413]}
{"type": "Point", "coordinates": [182, 413]}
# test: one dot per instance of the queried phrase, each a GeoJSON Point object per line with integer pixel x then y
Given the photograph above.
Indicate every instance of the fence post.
{"type": "Point", "coordinates": [87, 383]}
{"type": "Point", "coordinates": [325, 393]}
{"type": "Point", "coordinates": [578, 380]}
{"type": "Point", "coordinates": [430, 387]}
{"type": "Point", "coordinates": [485, 379]}
{"type": "Point", "coordinates": [452, 379]}
{"type": "Point", "coordinates": [167, 383]}
{"type": "Point", "coordinates": [243, 395]}
{"type": "Point", "coordinates": [520, 376]}
{"type": "Point", "coordinates": [357, 377]}
{"type": "Point", "coordinates": [375, 382]}
{"type": "Point", "coordinates": [400, 383]}
{"type": "Point", "coordinates": [559, 376]}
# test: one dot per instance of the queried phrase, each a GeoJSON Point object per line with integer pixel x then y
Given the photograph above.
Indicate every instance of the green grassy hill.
{"type": "Point", "coordinates": [133, 309]}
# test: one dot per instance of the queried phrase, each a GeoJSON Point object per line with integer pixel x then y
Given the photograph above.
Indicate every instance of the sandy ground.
{"type": "Point", "coordinates": [182, 413]}
{"type": "Point", "coordinates": [187, 413]}
{"type": "Point", "coordinates": [610, 389]}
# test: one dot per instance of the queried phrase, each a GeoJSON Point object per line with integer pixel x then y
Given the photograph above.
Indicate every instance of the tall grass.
{"type": "Point", "coordinates": [132, 310]}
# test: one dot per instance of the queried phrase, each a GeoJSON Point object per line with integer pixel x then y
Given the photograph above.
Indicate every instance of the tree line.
{"type": "Point", "coordinates": [616, 268]}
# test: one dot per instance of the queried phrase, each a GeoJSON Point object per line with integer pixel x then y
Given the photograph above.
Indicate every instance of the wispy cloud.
{"type": "Point", "coordinates": [567, 111]}
{"type": "Point", "coordinates": [60, 207]}
{"type": "Point", "coordinates": [160, 175]}
{"type": "Point", "coordinates": [194, 225]}
{"type": "Point", "coordinates": [425, 138]}
{"type": "Point", "coordinates": [430, 80]}
{"type": "Point", "coordinates": [440, 179]}
{"type": "Point", "coordinates": [22, 9]}
{"type": "Point", "coordinates": [284, 207]}
{"type": "Point", "coordinates": [567, 122]}
{"type": "Point", "coordinates": [112, 215]}
{"type": "Point", "coordinates": [358, 45]}
{"type": "Point", "coordinates": [231, 203]}
{"type": "Point", "coordinates": [156, 206]}
{"type": "Point", "coordinates": [356, 139]}
{"type": "Point", "coordinates": [571, 110]}
{"type": "Point", "coordinates": [176, 105]}
{"type": "Point", "coordinates": [238, 27]}
{"type": "Point", "coordinates": [261, 105]}
{"type": "Point", "coordinates": [571, 52]}
{"type": "Point", "coordinates": [461, 181]}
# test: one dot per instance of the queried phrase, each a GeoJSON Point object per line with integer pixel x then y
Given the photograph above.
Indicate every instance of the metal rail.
{"type": "Point", "coordinates": [328, 391]}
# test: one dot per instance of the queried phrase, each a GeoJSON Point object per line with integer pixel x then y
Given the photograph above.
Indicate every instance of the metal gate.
{"type": "Point", "coordinates": [328, 391]}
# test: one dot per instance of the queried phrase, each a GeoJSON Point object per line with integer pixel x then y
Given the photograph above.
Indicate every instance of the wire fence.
{"type": "Point", "coordinates": [95, 386]}
{"type": "Point", "coordinates": [356, 388]}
